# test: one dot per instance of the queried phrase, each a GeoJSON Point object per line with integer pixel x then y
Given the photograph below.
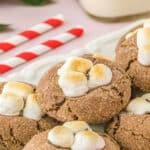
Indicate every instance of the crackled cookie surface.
{"type": "Point", "coordinates": [131, 129]}
{"type": "Point", "coordinates": [89, 88]}
{"type": "Point", "coordinates": [74, 135]}
{"type": "Point", "coordinates": [133, 54]}
{"type": "Point", "coordinates": [20, 116]}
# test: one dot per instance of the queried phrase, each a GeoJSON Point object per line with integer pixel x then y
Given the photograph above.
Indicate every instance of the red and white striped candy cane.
{"type": "Point", "coordinates": [31, 33]}
{"type": "Point", "coordinates": [38, 50]}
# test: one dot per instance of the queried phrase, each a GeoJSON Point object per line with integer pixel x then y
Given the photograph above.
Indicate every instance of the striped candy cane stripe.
{"type": "Point", "coordinates": [31, 33]}
{"type": "Point", "coordinates": [38, 50]}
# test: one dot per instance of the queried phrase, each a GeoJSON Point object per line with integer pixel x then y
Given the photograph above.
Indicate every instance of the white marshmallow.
{"type": "Point", "coordinates": [18, 88]}
{"type": "Point", "coordinates": [147, 23]}
{"type": "Point", "coordinates": [99, 75]}
{"type": "Point", "coordinates": [32, 109]}
{"type": "Point", "coordinates": [76, 126]}
{"type": "Point", "coordinates": [75, 64]}
{"type": "Point", "coordinates": [143, 37]}
{"type": "Point", "coordinates": [144, 55]}
{"type": "Point", "coordinates": [146, 97]}
{"type": "Point", "coordinates": [10, 104]}
{"type": "Point", "coordinates": [73, 83]}
{"type": "Point", "coordinates": [61, 136]}
{"type": "Point", "coordinates": [139, 106]}
{"type": "Point", "coordinates": [88, 140]}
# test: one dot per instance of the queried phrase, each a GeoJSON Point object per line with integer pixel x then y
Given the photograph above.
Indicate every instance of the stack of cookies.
{"type": "Point", "coordinates": [80, 92]}
{"type": "Point", "coordinates": [20, 115]}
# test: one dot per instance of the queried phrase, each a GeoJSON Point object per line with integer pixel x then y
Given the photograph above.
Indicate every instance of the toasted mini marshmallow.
{"type": "Point", "coordinates": [139, 106]}
{"type": "Point", "coordinates": [18, 88]}
{"type": "Point", "coordinates": [61, 136]}
{"type": "Point", "coordinates": [98, 55]}
{"type": "Point", "coordinates": [10, 104]}
{"type": "Point", "coordinates": [144, 55]}
{"type": "Point", "coordinates": [143, 37]}
{"type": "Point", "coordinates": [32, 109]}
{"type": "Point", "coordinates": [73, 83]}
{"type": "Point", "coordinates": [99, 75]}
{"type": "Point", "coordinates": [76, 126]}
{"type": "Point", "coordinates": [147, 23]}
{"type": "Point", "coordinates": [88, 140]}
{"type": "Point", "coordinates": [146, 97]}
{"type": "Point", "coordinates": [75, 64]}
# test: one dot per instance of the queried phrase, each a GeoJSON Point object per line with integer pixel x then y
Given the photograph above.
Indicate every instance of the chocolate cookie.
{"type": "Point", "coordinates": [131, 128]}
{"type": "Point", "coordinates": [133, 57]}
{"type": "Point", "coordinates": [97, 105]}
{"type": "Point", "coordinates": [131, 131]}
{"type": "Point", "coordinates": [92, 140]}
{"type": "Point", "coordinates": [17, 128]}
{"type": "Point", "coordinates": [15, 132]}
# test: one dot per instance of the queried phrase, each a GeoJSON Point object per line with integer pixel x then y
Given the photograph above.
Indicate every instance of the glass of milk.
{"type": "Point", "coordinates": [112, 9]}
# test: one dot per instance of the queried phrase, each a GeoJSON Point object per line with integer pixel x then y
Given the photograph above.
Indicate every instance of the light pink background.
{"type": "Point", "coordinates": [21, 16]}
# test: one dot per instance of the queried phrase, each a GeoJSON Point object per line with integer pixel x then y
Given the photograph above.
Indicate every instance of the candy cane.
{"type": "Point", "coordinates": [38, 50]}
{"type": "Point", "coordinates": [30, 33]}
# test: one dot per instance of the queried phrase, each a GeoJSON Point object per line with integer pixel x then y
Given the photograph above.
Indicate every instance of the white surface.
{"type": "Point", "coordinates": [21, 17]}
{"type": "Point", "coordinates": [105, 45]}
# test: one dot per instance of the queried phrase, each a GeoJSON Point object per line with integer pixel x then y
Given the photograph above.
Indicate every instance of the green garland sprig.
{"type": "Point", "coordinates": [36, 2]}
{"type": "Point", "coordinates": [4, 27]}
